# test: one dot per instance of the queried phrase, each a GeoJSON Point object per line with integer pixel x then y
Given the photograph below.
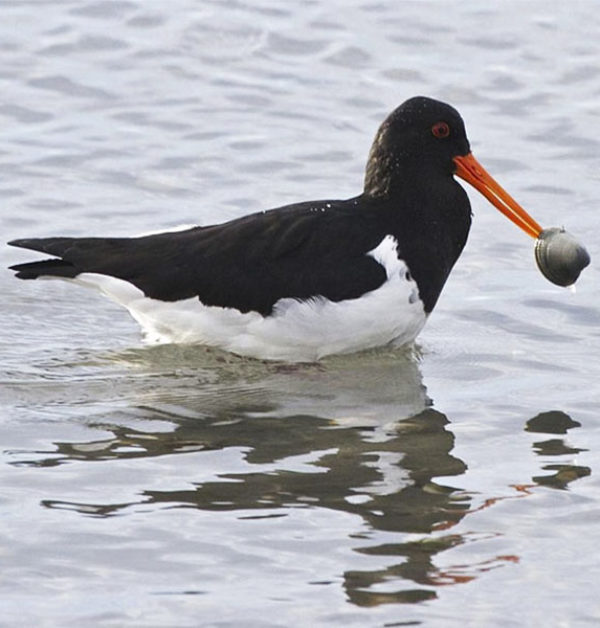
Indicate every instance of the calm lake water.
{"type": "Point", "coordinates": [456, 484]}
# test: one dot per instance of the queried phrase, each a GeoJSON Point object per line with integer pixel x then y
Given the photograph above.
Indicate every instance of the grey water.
{"type": "Point", "coordinates": [452, 484]}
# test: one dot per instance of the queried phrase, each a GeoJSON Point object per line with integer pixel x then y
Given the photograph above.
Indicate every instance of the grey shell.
{"type": "Point", "coordinates": [559, 256]}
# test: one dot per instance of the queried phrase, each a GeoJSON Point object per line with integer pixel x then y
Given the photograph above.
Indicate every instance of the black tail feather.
{"type": "Point", "coordinates": [50, 267]}
{"type": "Point", "coordinates": [47, 268]}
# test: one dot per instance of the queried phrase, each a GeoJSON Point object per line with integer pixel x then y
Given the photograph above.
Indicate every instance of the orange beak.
{"type": "Point", "coordinates": [469, 169]}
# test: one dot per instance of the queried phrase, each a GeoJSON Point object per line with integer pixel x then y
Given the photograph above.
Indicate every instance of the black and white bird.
{"type": "Point", "coordinates": [310, 279]}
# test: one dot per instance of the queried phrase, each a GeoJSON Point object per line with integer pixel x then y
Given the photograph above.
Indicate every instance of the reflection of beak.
{"type": "Point", "coordinates": [469, 169]}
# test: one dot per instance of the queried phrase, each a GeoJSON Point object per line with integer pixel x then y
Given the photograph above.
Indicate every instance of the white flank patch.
{"type": "Point", "coordinates": [297, 330]}
{"type": "Point", "coordinates": [386, 253]}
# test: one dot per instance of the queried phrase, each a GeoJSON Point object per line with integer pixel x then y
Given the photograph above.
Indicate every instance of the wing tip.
{"type": "Point", "coordinates": [19, 242]}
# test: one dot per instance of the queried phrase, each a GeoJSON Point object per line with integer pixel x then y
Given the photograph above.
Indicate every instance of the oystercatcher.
{"type": "Point", "coordinates": [310, 279]}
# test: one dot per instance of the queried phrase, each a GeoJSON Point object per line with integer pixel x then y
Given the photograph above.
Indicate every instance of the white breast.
{"type": "Point", "coordinates": [297, 330]}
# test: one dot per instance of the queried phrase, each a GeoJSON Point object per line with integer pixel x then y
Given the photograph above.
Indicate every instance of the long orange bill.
{"type": "Point", "coordinates": [469, 169]}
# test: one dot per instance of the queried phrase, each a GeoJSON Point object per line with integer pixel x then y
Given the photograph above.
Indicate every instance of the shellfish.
{"type": "Point", "coordinates": [559, 256]}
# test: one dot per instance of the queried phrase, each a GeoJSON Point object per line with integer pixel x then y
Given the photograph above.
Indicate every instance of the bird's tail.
{"type": "Point", "coordinates": [55, 267]}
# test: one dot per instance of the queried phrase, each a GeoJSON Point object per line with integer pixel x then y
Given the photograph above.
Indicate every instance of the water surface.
{"type": "Point", "coordinates": [452, 484]}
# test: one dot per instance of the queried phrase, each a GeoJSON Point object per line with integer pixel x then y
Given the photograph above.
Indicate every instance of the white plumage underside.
{"type": "Point", "coordinates": [296, 331]}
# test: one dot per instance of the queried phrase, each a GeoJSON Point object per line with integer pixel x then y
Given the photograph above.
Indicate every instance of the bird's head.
{"type": "Point", "coordinates": [424, 140]}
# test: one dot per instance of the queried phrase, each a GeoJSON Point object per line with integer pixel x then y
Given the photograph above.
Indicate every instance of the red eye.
{"type": "Point", "coordinates": [440, 130]}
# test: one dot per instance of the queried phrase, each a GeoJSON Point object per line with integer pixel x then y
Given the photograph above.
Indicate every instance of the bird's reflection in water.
{"type": "Point", "coordinates": [561, 474]}
{"type": "Point", "coordinates": [375, 449]}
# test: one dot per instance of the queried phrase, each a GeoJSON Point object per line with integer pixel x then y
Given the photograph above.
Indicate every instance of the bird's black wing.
{"type": "Point", "coordinates": [300, 251]}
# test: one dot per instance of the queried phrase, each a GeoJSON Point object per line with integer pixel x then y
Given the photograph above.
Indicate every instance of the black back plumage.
{"type": "Point", "coordinates": [307, 249]}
